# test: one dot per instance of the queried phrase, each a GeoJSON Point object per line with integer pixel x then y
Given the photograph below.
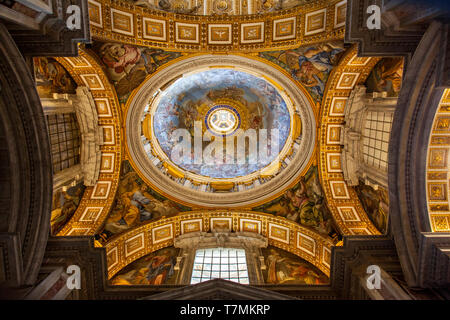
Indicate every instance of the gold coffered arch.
{"type": "Point", "coordinates": [97, 201]}
{"type": "Point", "coordinates": [127, 247]}
{"type": "Point", "coordinates": [309, 23]}
{"type": "Point", "coordinates": [92, 211]}
{"type": "Point", "coordinates": [342, 200]}
{"type": "Point", "coordinates": [437, 182]}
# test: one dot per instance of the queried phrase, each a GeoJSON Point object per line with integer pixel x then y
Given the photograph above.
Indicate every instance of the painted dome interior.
{"type": "Point", "coordinates": [226, 103]}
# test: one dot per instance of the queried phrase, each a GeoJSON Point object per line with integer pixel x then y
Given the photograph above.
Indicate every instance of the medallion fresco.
{"type": "Point", "coordinates": [375, 204]}
{"type": "Point", "coordinates": [283, 267]}
{"type": "Point", "coordinates": [155, 268]}
{"type": "Point", "coordinates": [136, 203]}
{"type": "Point", "coordinates": [64, 205]}
{"type": "Point", "coordinates": [243, 100]}
{"type": "Point", "coordinates": [309, 65]}
{"type": "Point", "coordinates": [305, 204]}
{"type": "Point", "coordinates": [386, 76]}
{"type": "Point", "coordinates": [127, 66]}
{"type": "Point", "coordinates": [51, 77]}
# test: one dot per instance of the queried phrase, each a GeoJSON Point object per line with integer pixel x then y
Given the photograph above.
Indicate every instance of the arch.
{"type": "Point", "coordinates": [26, 172]}
{"type": "Point", "coordinates": [417, 105]}
{"type": "Point", "coordinates": [330, 26]}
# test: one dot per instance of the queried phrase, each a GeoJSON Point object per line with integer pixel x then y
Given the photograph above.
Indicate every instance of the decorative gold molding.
{"type": "Point", "coordinates": [127, 247]}
{"type": "Point", "coordinates": [96, 203]}
{"type": "Point", "coordinates": [342, 200]}
{"type": "Point", "coordinates": [312, 22]}
{"type": "Point", "coordinates": [253, 62]}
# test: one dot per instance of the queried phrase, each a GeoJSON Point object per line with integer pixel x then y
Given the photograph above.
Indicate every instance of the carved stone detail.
{"type": "Point", "coordinates": [83, 105]}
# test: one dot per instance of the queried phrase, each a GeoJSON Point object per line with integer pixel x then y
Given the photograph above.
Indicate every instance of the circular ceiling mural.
{"type": "Point", "coordinates": [219, 7]}
{"type": "Point", "coordinates": [244, 113]}
{"type": "Point", "coordinates": [215, 131]}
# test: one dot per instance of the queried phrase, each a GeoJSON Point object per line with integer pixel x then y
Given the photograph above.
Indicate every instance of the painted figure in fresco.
{"type": "Point", "coordinates": [136, 206]}
{"type": "Point", "coordinates": [300, 272]}
{"type": "Point", "coordinates": [309, 65]}
{"type": "Point", "coordinates": [161, 267]}
{"type": "Point", "coordinates": [306, 211]}
{"type": "Point", "coordinates": [152, 58]}
{"type": "Point", "coordinates": [278, 271]}
{"type": "Point", "coordinates": [256, 122]}
{"type": "Point", "coordinates": [127, 66]}
{"type": "Point", "coordinates": [189, 115]}
{"type": "Point", "coordinates": [284, 269]}
{"type": "Point", "coordinates": [135, 203]}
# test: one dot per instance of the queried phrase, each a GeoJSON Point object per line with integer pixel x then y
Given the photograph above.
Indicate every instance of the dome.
{"type": "Point", "coordinates": [218, 7]}
{"type": "Point", "coordinates": [225, 104]}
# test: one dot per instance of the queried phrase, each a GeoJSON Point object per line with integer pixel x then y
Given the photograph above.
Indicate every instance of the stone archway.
{"type": "Point", "coordinates": [26, 172]}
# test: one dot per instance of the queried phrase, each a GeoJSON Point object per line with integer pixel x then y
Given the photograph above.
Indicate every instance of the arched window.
{"type": "Point", "coordinates": [224, 263]}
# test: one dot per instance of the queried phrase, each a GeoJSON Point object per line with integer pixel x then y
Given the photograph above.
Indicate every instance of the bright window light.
{"type": "Point", "coordinates": [224, 263]}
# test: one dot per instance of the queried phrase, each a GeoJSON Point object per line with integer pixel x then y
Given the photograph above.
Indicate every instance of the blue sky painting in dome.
{"type": "Point", "coordinates": [188, 99]}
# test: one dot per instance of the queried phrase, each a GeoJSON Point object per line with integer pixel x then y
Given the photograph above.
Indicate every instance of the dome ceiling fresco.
{"type": "Point", "coordinates": [168, 93]}
{"type": "Point", "coordinates": [309, 65]}
{"type": "Point", "coordinates": [224, 102]}
{"type": "Point", "coordinates": [304, 204]}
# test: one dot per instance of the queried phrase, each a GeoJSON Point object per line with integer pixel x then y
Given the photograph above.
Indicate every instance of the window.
{"type": "Point", "coordinates": [376, 139]}
{"type": "Point", "coordinates": [65, 140]}
{"type": "Point", "coordinates": [224, 263]}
